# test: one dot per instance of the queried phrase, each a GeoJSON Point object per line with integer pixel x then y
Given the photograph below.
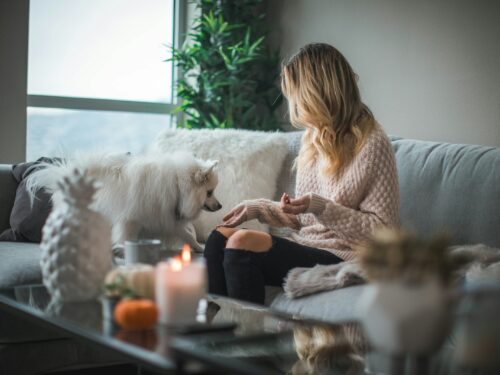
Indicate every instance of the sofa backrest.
{"type": "Point", "coordinates": [443, 187]}
{"type": "Point", "coordinates": [450, 187]}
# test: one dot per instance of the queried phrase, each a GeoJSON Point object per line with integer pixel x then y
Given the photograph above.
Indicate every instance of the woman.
{"type": "Point", "coordinates": [346, 184]}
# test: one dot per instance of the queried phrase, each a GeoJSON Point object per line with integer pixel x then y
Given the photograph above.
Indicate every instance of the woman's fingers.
{"type": "Point", "coordinates": [228, 215]}
{"type": "Point", "coordinates": [299, 201]}
{"type": "Point", "coordinates": [233, 222]}
{"type": "Point", "coordinates": [286, 197]}
{"type": "Point", "coordinates": [295, 205]}
{"type": "Point", "coordinates": [234, 218]}
{"type": "Point", "coordinates": [231, 213]}
{"type": "Point", "coordinates": [283, 201]}
{"type": "Point", "coordinates": [227, 221]}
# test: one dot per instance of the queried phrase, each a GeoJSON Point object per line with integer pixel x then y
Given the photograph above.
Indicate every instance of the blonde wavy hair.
{"type": "Point", "coordinates": [324, 99]}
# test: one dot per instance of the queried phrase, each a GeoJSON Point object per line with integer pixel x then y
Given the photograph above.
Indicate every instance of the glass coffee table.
{"type": "Point", "coordinates": [236, 338]}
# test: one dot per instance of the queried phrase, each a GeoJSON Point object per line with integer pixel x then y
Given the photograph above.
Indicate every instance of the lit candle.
{"type": "Point", "coordinates": [186, 254]}
{"type": "Point", "coordinates": [180, 284]}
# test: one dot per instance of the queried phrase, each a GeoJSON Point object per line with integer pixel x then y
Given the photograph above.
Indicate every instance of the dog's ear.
{"type": "Point", "coordinates": [201, 174]}
{"type": "Point", "coordinates": [211, 165]}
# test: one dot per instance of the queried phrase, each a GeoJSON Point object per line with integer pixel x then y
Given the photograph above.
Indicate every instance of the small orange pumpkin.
{"type": "Point", "coordinates": [136, 313]}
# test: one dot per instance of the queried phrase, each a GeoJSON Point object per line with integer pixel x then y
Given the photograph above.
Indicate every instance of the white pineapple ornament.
{"type": "Point", "coordinates": [76, 243]}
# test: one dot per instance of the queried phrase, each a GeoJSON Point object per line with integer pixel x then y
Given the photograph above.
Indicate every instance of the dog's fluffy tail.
{"type": "Point", "coordinates": [49, 175]}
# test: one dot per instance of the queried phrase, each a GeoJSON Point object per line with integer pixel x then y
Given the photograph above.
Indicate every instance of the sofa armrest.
{"type": "Point", "coordinates": [8, 186]}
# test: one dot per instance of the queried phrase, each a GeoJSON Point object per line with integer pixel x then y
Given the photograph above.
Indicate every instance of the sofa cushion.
{"type": "Point", "coordinates": [19, 264]}
{"type": "Point", "coordinates": [333, 306]}
{"type": "Point", "coordinates": [450, 187]}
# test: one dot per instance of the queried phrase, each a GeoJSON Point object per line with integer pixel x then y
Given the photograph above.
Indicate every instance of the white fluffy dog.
{"type": "Point", "coordinates": [154, 195]}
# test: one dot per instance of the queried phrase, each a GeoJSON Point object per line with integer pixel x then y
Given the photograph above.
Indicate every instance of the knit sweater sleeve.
{"type": "Point", "coordinates": [380, 203]}
{"type": "Point", "coordinates": [269, 212]}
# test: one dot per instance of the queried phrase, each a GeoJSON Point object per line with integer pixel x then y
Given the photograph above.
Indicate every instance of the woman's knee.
{"type": "Point", "coordinates": [226, 232]}
{"type": "Point", "coordinates": [250, 240]}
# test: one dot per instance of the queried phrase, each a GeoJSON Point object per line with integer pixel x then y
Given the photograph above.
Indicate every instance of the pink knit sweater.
{"type": "Point", "coordinates": [344, 208]}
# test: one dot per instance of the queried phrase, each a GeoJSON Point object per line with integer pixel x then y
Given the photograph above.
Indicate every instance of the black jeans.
{"type": "Point", "coordinates": [243, 274]}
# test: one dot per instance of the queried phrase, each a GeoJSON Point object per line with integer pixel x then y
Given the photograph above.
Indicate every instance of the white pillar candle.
{"type": "Point", "coordinates": [179, 288]}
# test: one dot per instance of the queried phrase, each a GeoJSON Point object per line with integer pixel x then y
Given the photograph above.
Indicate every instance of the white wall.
{"type": "Point", "coordinates": [428, 69]}
{"type": "Point", "coordinates": [13, 79]}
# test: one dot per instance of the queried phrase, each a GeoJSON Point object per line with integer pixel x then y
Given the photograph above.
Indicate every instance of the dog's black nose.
{"type": "Point", "coordinates": [219, 206]}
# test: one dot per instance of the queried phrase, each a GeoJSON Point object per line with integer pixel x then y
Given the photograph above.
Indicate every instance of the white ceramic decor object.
{"type": "Point", "coordinates": [401, 318]}
{"type": "Point", "coordinates": [76, 243]}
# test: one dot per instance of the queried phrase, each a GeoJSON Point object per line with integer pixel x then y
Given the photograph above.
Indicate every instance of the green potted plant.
{"type": "Point", "coordinates": [228, 72]}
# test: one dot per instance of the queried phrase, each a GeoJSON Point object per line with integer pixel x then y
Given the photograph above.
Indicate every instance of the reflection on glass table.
{"type": "Point", "coordinates": [301, 348]}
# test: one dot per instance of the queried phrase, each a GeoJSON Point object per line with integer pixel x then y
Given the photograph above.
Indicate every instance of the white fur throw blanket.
{"type": "Point", "coordinates": [249, 165]}
{"type": "Point", "coordinates": [484, 264]}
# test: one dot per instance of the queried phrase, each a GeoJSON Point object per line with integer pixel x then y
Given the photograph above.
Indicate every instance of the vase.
{"type": "Point", "coordinates": [401, 318]}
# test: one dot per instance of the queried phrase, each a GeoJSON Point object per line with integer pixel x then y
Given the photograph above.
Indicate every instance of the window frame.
{"type": "Point", "coordinates": [98, 104]}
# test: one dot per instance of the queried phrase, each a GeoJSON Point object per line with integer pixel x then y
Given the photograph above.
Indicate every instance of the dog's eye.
{"type": "Point", "coordinates": [210, 193]}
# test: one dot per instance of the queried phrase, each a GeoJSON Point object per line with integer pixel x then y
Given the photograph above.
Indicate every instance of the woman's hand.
{"type": "Point", "coordinates": [294, 206]}
{"type": "Point", "coordinates": [238, 215]}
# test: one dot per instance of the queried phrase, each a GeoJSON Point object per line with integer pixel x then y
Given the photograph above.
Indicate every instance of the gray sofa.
{"type": "Point", "coordinates": [442, 186]}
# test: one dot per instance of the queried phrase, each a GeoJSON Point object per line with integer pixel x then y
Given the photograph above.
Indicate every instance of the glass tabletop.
{"type": "Point", "coordinates": [87, 321]}
{"type": "Point", "coordinates": [244, 338]}
{"type": "Point", "coordinates": [239, 337]}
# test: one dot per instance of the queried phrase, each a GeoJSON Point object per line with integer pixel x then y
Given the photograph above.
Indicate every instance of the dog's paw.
{"type": "Point", "coordinates": [197, 247]}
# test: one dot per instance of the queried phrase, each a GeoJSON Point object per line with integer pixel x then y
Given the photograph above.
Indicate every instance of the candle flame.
{"type": "Point", "coordinates": [186, 253]}
{"type": "Point", "coordinates": [176, 264]}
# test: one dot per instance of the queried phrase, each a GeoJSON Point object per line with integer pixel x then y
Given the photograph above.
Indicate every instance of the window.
{"type": "Point", "coordinates": [97, 76]}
